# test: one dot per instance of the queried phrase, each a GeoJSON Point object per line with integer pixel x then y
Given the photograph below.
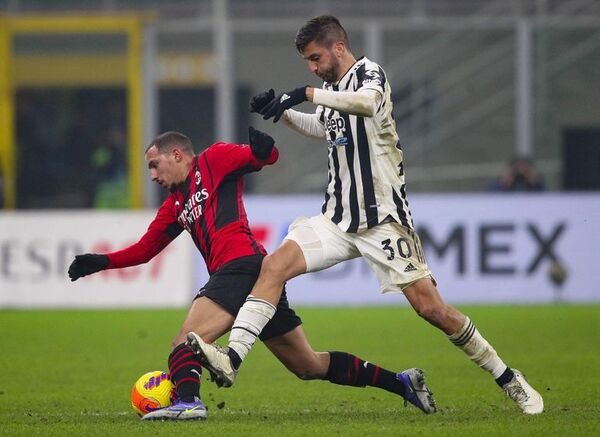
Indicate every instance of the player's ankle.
{"type": "Point", "coordinates": [506, 377]}
{"type": "Point", "coordinates": [236, 361]}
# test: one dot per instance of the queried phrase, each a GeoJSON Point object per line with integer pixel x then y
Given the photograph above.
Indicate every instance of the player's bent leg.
{"type": "Point", "coordinates": [260, 306]}
{"type": "Point", "coordinates": [223, 363]}
{"type": "Point", "coordinates": [341, 368]}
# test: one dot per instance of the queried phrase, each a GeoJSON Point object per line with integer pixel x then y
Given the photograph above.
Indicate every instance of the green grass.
{"type": "Point", "coordinates": [70, 373]}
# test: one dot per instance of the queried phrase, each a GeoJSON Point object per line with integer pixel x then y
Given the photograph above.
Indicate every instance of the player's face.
{"type": "Point", "coordinates": [165, 168]}
{"type": "Point", "coordinates": [322, 61]}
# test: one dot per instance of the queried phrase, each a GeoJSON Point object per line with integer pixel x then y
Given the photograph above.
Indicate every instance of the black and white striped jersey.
{"type": "Point", "coordinates": [366, 175]}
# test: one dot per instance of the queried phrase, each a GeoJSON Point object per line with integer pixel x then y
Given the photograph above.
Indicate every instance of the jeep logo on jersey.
{"type": "Point", "coordinates": [335, 124]}
{"type": "Point", "coordinates": [193, 209]}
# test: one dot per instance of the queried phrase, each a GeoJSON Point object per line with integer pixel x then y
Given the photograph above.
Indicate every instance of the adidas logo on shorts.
{"type": "Point", "coordinates": [410, 268]}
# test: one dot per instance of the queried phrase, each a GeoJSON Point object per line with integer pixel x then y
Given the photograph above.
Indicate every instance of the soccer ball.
{"type": "Point", "coordinates": [152, 391]}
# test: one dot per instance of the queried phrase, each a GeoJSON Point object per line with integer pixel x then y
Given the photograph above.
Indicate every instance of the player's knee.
{"type": "Point", "coordinates": [434, 314]}
{"type": "Point", "coordinates": [310, 369]}
{"type": "Point", "coordinates": [306, 373]}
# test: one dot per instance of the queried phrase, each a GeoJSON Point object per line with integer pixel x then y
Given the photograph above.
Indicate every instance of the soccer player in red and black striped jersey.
{"type": "Point", "coordinates": [206, 200]}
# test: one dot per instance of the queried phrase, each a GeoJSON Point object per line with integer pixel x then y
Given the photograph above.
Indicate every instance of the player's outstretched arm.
{"type": "Point", "coordinates": [87, 264]}
{"type": "Point", "coordinates": [163, 229]}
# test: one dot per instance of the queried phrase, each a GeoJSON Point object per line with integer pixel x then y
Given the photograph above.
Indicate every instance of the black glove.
{"type": "Point", "coordinates": [87, 264]}
{"type": "Point", "coordinates": [282, 102]}
{"type": "Point", "coordinates": [259, 101]}
{"type": "Point", "coordinates": [260, 143]}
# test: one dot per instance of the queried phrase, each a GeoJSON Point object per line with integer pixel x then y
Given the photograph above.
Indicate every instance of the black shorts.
{"type": "Point", "coordinates": [230, 286]}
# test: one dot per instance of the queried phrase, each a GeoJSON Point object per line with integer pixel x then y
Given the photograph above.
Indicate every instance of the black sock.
{"type": "Point", "coordinates": [236, 361]}
{"type": "Point", "coordinates": [347, 369]}
{"type": "Point", "coordinates": [505, 377]}
{"type": "Point", "coordinates": [185, 371]}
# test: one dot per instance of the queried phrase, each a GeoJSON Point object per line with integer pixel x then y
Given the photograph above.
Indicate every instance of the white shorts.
{"type": "Point", "coordinates": [393, 251]}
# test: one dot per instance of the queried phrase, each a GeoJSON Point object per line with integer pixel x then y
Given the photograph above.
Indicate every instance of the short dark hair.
{"type": "Point", "coordinates": [324, 30]}
{"type": "Point", "coordinates": [169, 140]}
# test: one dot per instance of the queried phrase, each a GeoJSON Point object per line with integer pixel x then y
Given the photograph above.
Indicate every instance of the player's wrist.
{"type": "Point", "coordinates": [297, 95]}
{"type": "Point", "coordinates": [98, 262]}
{"type": "Point", "coordinates": [310, 92]}
{"type": "Point", "coordinates": [105, 261]}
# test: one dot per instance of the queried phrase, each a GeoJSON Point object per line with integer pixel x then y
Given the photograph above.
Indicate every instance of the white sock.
{"type": "Point", "coordinates": [250, 321]}
{"type": "Point", "coordinates": [478, 349]}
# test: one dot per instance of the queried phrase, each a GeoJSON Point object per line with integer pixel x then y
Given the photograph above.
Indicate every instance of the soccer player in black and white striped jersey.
{"type": "Point", "coordinates": [365, 212]}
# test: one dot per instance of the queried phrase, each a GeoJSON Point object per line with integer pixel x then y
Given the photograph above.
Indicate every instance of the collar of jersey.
{"type": "Point", "coordinates": [352, 68]}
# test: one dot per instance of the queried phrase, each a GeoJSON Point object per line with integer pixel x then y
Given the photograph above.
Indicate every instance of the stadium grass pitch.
{"type": "Point", "coordinates": [71, 373]}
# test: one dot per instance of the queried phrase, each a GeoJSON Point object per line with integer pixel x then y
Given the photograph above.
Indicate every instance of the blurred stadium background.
{"type": "Point", "coordinates": [84, 85]}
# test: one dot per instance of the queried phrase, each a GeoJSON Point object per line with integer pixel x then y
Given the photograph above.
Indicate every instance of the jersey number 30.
{"type": "Point", "coordinates": [403, 245]}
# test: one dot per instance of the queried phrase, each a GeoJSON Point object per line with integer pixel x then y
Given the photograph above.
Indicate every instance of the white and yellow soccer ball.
{"type": "Point", "coordinates": [152, 391]}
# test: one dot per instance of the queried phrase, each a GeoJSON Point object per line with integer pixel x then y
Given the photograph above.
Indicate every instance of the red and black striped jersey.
{"type": "Point", "coordinates": [209, 206]}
